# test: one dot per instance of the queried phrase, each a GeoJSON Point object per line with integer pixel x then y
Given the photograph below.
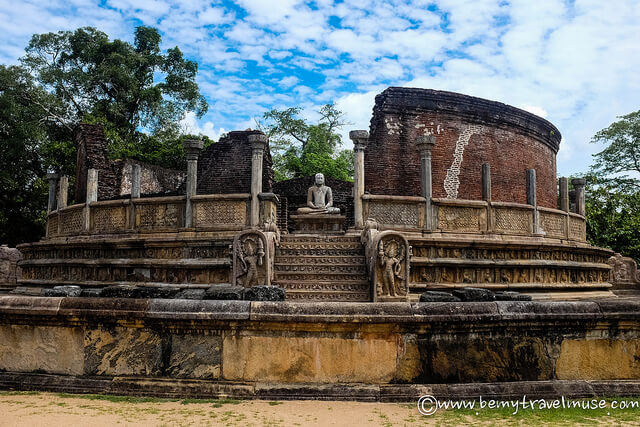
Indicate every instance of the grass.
{"type": "Point", "coordinates": [559, 416]}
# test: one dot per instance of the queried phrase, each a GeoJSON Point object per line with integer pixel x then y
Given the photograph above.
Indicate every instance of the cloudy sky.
{"type": "Point", "coordinates": [575, 63]}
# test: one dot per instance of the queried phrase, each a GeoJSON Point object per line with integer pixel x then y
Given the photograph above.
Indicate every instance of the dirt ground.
{"type": "Point", "coordinates": [48, 409]}
{"type": "Point", "coordinates": [57, 409]}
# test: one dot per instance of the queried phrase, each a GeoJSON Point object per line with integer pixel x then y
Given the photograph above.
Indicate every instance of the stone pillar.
{"type": "Point", "coordinates": [532, 199]}
{"type": "Point", "coordinates": [564, 194]}
{"type": "Point", "coordinates": [359, 138]}
{"type": "Point", "coordinates": [92, 196]}
{"type": "Point", "coordinates": [531, 187]}
{"type": "Point", "coordinates": [53, 184]}
{"type": "Point", "coordinates": [135, 193]}
{"type": "Point", "coordinates": [486, 182]}
{"type": "Point", "coordinates": [63, 191]}
{"type": "Point", "coordinates": [258, 143]}
{"type": "Point", "coordinates": [425, 144]}
{"type": "Point", "coordinates": [192, 148]}
{"type": "Point", "coordinates": [578, 185]}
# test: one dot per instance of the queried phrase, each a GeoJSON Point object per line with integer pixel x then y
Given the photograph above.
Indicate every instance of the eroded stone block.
{"type": "Point", "coordinates": [50, 349]}
{"type": "Point", "coordinates": [598, 359]}
{"type": "Point", "coordinates": [195, 356]}
{"type": "Point", "coordinates": [123, 351]}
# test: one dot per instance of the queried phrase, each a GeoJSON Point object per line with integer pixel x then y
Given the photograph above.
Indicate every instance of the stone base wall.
{"type": "Point", "coordinates": [300, 343]}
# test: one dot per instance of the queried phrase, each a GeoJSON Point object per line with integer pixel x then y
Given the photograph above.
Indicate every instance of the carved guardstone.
{"type": "Point", "coordinates": [250, 261]}
{"type": "Point", "coordinates": [391, 269]}
{"type": "Point", "coordinates": [319, 223]}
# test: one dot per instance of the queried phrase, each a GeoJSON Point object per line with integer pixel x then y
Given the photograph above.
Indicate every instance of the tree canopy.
{"type": "Point", "coordinates": [301, 149]}
{"type": "Point", "coordinates": [137, 91]}
{"type": "Point", "coordinates": [613, 188]}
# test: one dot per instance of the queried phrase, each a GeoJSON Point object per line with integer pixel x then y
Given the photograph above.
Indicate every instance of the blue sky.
{"type": "Point", "coordinates": [575, 63]}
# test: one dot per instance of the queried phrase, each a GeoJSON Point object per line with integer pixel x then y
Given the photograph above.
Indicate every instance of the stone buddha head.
{"type": "Point", "coordinates": [319, 179]}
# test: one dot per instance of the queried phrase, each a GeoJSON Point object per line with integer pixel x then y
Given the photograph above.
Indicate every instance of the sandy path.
{"type": "Point", "coordinates": [47, 409]}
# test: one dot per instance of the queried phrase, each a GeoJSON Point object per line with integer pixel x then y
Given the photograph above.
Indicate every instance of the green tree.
{"type": "Point", "coordinates": [128, 88]}
{"type": "Point", "coordinates": [613, 188]}
{"type": "Point", "coordinates": [302, 149]}
{"type": "Point", "coordinates": [27, 116]}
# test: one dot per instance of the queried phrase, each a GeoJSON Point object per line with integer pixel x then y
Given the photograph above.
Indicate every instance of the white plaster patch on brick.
{"type": "Point", "coordinates": [430, 129]}
{"type": "Point", "coordinates": [452, 181]}
{"type": "Point", "coordinates": [392, 126]}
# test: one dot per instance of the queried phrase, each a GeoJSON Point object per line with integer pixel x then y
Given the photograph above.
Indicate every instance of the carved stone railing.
{"type": "Point", "coordinates": [224, 212]}
{"type": "Point", "coordinates": [395, 212]}
{"type": "Point", "coordinates": [473, 216]}
{"type": "Point", "coordinates": [220, 211]}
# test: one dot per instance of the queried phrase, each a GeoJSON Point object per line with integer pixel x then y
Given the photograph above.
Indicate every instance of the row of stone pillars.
{"type": "Point", "coordinates": [425, 144]}
{"type": "Point", "coordinates": [59, 185]}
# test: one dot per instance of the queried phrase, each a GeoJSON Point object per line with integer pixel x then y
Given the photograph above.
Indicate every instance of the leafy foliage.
{"type": "Point", "coordinates": [302, 149]}
{"type": "Point", "coordinates": [613, 188]}
{"type": "Point", "coordinates": [137, 92]}
{"type": "Point", "coordinates": [23, 128]}
{"type": "Point", "coordinates": [125, 87]}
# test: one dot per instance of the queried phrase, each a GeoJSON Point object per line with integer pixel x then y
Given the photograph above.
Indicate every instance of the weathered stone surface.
{"type": "Point", "coordinates": [26, 306]}
{"type": "Point", "coordinates": [224, 292]}
{"type": "Point", "coordinates": [436, 296]}
{"type": "Point", "coordinates": [511, 296]}
{"type": "Point", "coordinates": [598, 359]}
{"type": "Point", "coordinates": [104, 308]}
{"type": "Point", "coordinates": [119, 291]}
{"type": "Point", "coordinates": [123, 351]}
{"type": "Point", "coordinates": [474, 294]}
{"type": "Point", "coordinates": [193, 309]}
{"type": "Point", "coordinates": [368, 358]}
{"type": "Point", "coordinates": [455, 311]}
{"type": "Point", "coordinates": [154, 292]}
{"type": "Point", "coordinates": [264, 293]}
{"type": "Point", "coordinates": [91, 292]}
{"type": "Point", "coordinates": [333, 312]}
{"type": "Point", "coordinates": [25, 348]}
{"type": "Point", "coordinates": [584, 310]}
{"type": "Point", "coordinates": [63, 291]}
{"type": "Point", "coordinates": [484, 359]}
{"type": "Point", "coordinates": [190, 294]}
{"type": "Point", "coordinates": [195, 356]}
{"type": "Point", "coordinates": [9, 270]}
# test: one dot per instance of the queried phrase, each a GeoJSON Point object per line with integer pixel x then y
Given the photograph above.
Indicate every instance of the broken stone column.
{"type": "Point", "coordinates": [53, 183]}
{"type": "Point", "coordinates": [578, 185]}
{"type": "Point", "coordinates": [564, 194]}
{"type": "Point", "coordinates": [258, 143]}
{"type": "Point", "coordinates": [359, 138]}
{"type": "Point", "coordinates": [425, 144]}
{"type": "Point", "coordinates": [135, 193]}
{"type": "Point", "coordinates": [486, 182]}
{"type": "Point", "coordinates": [63, 191]}
{"type": "Point", "coordinates": [532, 199]}
{"type": "Point", "coordinates": [92, 196]}
{"type": "Point", "coordinates": [192, 148]}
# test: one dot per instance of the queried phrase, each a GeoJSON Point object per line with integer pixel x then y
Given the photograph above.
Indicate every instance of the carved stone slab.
{"type": "Point", "coordinates": [324, 224]}
{"type": "Point", "coordinates": [390, 267]}
{"type": "Point", "coordinates": [251, 259]}
{"type": "Point", "coordinates": [624, 273]}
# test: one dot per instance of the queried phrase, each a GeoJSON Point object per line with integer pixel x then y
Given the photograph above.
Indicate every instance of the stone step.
{"type": "Point", "coordinates": [321, 245]}
{"type": "Point", "coordinates": [320, 269]}
{"type": "Point", "coordinates": [319, 252]}
{"type": "Point", "coordinates": [327, 296]}
{"type": "Point", "coordinates": [315, 238]}
{"type": "Point", "coordinates": [323, 286]}
{"type": "Point", "coordinates": [338, 277]}
{"type": "Point", "coordinates": [321, 260]}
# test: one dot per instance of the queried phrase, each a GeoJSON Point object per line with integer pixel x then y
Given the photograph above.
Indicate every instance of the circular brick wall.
{"type": "Point", "coordinates": [469, 131]}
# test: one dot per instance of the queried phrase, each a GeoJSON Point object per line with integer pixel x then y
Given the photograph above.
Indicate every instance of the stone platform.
{"type": "Point", "coordinates": [368, 350]}
{"type": "Point", "coordinates": [322, 224]}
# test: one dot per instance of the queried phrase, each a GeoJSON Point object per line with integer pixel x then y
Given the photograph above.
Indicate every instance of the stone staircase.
{"type": "Point", "coordinates": [322, 268]}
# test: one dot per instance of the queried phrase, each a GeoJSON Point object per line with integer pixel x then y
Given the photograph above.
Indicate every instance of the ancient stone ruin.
{"type": "Point", "coordinates": [468, 185]}
{"type": "Point", "coordinates": [420, 272]}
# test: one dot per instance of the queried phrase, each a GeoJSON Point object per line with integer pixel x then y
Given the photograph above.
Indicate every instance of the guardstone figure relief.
{"type": "Point", "coordinates": [248, 260]}
{"type": "Point", "coordinates": [391, 272]}
{"type": "Point", "coordinates": [319, 199]}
